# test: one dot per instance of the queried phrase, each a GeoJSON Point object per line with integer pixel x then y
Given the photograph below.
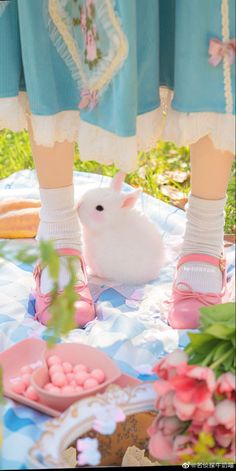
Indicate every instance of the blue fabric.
{"type": "Point", "coordinates": [131, 325]}
{"type": "Point", "coordinates": [168, 45]}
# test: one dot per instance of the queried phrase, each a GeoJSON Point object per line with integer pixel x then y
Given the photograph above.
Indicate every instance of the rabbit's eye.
{"type": "Point", "coordinates": [99, 207]}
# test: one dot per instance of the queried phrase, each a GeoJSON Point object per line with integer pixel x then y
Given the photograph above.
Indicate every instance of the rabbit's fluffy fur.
{"type": "Point", "coordinates": [120, 243]}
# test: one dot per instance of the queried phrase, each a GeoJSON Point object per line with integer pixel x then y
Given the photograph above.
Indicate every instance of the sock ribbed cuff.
{"type": "Point", "coordinates": [205, 227]}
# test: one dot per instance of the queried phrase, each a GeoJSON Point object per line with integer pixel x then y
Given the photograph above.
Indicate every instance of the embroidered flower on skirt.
{"type": "Point", "coordinates": [89, 37]}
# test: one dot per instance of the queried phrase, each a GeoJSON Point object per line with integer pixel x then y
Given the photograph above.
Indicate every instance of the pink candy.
{"type": "Point", "coordinates": [80, 367]}
{"type": "Point", "coordinates": [67, 367]}
{"type": "Point", "coordinates": [19, 386]}
{"type": "Point", "coordinates": [31, 394]}
{"type": "Point", "coordinates": [70, 377]}
{"type": "Point", "coordinates": [59, 379]}
{"type": "Point", "coordinates": [90, 383]}
{"type": "Point", "coordinates": [26, 379]}
{"type": "Point", "coordinates": [98, 374]}
{"type": "Point", "coordinates": [81, 377]}
{"type": "Point", "coordinates": [64, 378]}
{"type": "Point", "coordinates": [55, 369]}
{"type": "Point", "coordinates": [53, 360]}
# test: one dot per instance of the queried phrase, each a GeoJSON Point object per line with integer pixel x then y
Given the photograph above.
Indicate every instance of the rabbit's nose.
{"type": "Point", "coordinates": [78, 205]}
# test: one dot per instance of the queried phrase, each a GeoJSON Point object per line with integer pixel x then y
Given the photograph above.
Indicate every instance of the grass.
{"type": "Point", "coordinates": [164, 172]}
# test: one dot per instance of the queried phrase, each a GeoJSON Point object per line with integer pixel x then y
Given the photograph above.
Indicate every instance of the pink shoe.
{"type": "Point", "coordinates": [85, 311]}
{"type": "Point", "coordinates": [184, 311]}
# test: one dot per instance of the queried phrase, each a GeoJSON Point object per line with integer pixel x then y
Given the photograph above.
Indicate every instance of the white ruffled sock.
{"type": "Point", "coordinates": [59, 222]}
{"type": "Point", "coordinates": [204, 235]}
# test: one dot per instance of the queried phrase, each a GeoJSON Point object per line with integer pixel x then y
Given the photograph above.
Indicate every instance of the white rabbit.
{"type": "Point", "coordinates": [120, 243]}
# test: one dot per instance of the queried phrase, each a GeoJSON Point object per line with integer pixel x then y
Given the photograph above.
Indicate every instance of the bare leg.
{"type": "Point", "coordinates": [54, 165]}
{"type": "Point", "coordinates": [211, 169]}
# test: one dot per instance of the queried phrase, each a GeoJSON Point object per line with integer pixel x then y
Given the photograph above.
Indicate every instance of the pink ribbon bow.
{"type": "Point", "coordinates": [219, 49]}
{"type": "Point", "coordinates": [89, 98]}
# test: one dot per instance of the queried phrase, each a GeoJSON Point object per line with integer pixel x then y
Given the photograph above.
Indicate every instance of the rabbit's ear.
{"type": "Point", "coordinates": [117, 181]}
{"type": "Point", "coordinates": [129, 200]}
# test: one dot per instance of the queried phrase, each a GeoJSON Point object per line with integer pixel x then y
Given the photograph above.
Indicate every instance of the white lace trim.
{"type": "Point", "coordinates": [226, 65]}
{"type": "Point", "coordinates": [105, 147]}
{"type": "Point", "coordinates": [186, 128]}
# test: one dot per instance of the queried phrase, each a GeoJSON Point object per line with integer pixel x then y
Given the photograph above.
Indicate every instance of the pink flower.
{"type": "Point", "coordinates": [226, 385]}
{"type": "Point", "coordinates": [166, 368]}
{"type": "Point", "coordinates": [223, 436]}
{"type": "Point", "coordinates": [165, 404]}
{"type": "Point", "coordinates": [91, 47]}
{"type": "Point", "coordinates": [161, 447]}
{"type": "Point", "coordinates": [225, 414]}
{"type": "Point", "coordinates": [83, 19]}
{"type": "Point", "coordinates": [194, 384]}
{"type": "Point", "coordinates": [222, 424]}
{"type": "Point", "coordinates": [162, 433]}
{"type": "Point", "coordinates": [183, 444]}
{"type": "Point", "coordinates": [190, 411]}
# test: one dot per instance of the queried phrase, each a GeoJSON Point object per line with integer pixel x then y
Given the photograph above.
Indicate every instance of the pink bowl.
{"type": "Point", "coordinates": [73, 353]}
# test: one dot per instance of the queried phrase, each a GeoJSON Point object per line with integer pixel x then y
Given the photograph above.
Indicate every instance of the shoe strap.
{"type": "Point", "coordinates": [203, 258]}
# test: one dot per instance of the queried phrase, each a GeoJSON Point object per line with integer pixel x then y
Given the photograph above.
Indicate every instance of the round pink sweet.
{"type": "Point", "coordinates": [53, 360]}
{"type": "Point", "coordinates": [19, 386]}
{"type": "Point", "coordinates": [67, 389]}
{"type": "Point", "coordinates": [73, 383]}
{"type": "Point", "coordinates": [27, 369]}
{"type": "Point", "coordinates": [81, 377]}
{"type": "Point", "coordinates": [59, 379]}
{"type": "Point", "coordinates": [48, 386]}
{"type": "Point", "coordinates": [67, 367]}
{"type": "Point", "coordinates": [90, 383]}
{"type": "Point", "coordinates": [98, 374]}
{"type": "Point", "coordinates": [70, 377]}
{"type": "Point", "coordinates": [55, 390]}
{"type": "Point", "coordinates": [26, 379]}
{"type": "Point", "coordinates": [79, 389]}
{"type": "Point", "coordinates": [31, 394]}
{"type": "Point", "coordinates": [80, 367]}
{"type": "Point", "coordinates": [55, 369]}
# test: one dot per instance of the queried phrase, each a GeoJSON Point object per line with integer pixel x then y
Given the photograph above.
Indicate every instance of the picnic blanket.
{"type": "Point", "coordinates": [131, 322]}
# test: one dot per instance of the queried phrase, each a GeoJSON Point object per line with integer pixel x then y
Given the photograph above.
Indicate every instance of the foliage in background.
{"type": "Point", "coordinates": [164, 172]}
{"type": "Point", "coordinates": [62, 306]}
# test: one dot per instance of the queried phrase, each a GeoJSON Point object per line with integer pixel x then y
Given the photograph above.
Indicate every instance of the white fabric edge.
{"type": "Point", "coordinates": [105, 147]}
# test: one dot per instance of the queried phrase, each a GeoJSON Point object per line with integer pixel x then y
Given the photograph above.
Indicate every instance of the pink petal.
{"type": "Point", "coordinates": [161, 447]}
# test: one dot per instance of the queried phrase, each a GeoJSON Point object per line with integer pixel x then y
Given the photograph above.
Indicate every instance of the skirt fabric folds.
{"type": "Point", "coordinates": [117, 75]}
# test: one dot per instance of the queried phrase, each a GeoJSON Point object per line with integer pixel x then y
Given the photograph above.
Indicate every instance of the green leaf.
{"type": "Point", "coordinates": [199, 339]}
{"type": "Point", "coordinates": [218, 313]}
{"type": "Point", "coordinates": [220, 350]}
{"type": "Point", "coordinates": [220, 331]}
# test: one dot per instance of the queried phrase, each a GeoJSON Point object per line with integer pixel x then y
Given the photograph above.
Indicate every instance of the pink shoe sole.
{"type": "Point", "coordinates": [85, 311]}
{"type": "Point", "coordinates": [184, 310]}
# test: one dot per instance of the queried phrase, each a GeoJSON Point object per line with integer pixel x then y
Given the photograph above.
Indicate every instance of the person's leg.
{"type": "Point", "coordinates": [58, 218]}
{"type": "Point", "coordinates": [204, 235]}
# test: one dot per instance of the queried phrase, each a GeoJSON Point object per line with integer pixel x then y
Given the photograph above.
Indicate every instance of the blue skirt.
{"type": "Point", "coordinates": [117, 75]}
